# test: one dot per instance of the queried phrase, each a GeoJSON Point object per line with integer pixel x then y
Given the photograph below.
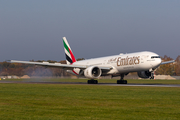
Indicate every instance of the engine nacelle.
{"type": "Point", "coordinates": [92, 72]}
{"type": "Point", "coordinates": [144, 74]}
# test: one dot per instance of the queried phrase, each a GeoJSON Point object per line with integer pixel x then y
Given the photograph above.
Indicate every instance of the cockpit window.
{"type": "Point", "coordinates": [155, 57]}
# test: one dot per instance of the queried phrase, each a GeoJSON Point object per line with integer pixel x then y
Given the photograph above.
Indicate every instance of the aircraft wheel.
{"type": "Point", "coordinates": [125, 81]}
{"type": "Point", "coordinates": [92, 82]}
{"type": "Point", "coordinates": [121, 81]}
{"type": "Point", "coordinates": [89, 82]}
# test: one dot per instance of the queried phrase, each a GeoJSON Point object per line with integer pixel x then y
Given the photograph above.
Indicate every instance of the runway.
{"type": "Point", "coordinates": [99, 84]}
{"type": "Point", "coordinates": [143, 85]}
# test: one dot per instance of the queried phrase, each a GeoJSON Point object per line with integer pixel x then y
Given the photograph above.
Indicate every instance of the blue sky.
{"type": "Point", "coordinates": [34, 29]}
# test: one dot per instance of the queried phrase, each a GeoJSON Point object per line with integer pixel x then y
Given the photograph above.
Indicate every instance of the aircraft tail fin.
{"type": "Point", "coordinates": [70, 59]}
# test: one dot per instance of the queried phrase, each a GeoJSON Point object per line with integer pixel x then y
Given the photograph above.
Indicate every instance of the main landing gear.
{"type": "Point", "coordinates": [92, 81]}
{"type": "Point", "coordinates": [122, 81]}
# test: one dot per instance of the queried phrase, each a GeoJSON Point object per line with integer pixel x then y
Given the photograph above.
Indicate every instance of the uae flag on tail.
{"type": "Point", "coordinates": [70, 59]}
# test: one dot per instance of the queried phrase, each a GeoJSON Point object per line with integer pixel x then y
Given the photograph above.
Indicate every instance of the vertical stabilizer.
{"type": "Point", "coordinates": [70, 59]}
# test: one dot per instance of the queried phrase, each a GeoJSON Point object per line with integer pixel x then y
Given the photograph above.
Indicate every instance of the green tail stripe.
{"type": "Point", "coordinates": [66, 47]}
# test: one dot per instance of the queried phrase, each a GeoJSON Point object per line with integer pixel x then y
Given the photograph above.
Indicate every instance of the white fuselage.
{"type": "Point", "coordinates": [125, 63]}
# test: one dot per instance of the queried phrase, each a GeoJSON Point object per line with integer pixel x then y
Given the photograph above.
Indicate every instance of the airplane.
{"type": "Point", "coordinates": [144, 63]}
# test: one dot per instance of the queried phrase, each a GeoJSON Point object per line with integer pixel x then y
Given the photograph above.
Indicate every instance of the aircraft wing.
{"type": "Point", "coordinates": [166, 62]}
{"type": "Point", "coordinates": [59, 65]}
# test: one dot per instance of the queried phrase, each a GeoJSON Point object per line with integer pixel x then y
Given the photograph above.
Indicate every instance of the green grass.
{"type": "Point", "coordinates": [94, 102]}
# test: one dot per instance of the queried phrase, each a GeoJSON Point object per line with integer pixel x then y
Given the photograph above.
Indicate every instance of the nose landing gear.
{"type": "Point", "coordinates": [152, 75]}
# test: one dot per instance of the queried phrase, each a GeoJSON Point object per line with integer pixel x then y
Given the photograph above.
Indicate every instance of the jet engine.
{"type": "Point", "coordinates": [144, 74]}
{"type": "Point", "coordinates": [92, 72]}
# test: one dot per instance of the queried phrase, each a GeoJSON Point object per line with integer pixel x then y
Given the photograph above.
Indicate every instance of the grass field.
{"type": "Point", "coordinates": [94, 102]}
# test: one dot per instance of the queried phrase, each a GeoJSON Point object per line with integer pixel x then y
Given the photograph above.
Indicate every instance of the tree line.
{"type": "Point", "coordinates": [169, 69]}
{"type": "Point", "coordinates": [19, 69]}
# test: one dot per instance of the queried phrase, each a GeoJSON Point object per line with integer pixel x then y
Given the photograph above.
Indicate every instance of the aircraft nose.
{"type": "Point", "coordinates": [158, 62]}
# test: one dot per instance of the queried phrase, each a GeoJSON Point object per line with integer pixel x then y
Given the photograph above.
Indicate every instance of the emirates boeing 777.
{"type": "Point", "coordinates": [144, 63]}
